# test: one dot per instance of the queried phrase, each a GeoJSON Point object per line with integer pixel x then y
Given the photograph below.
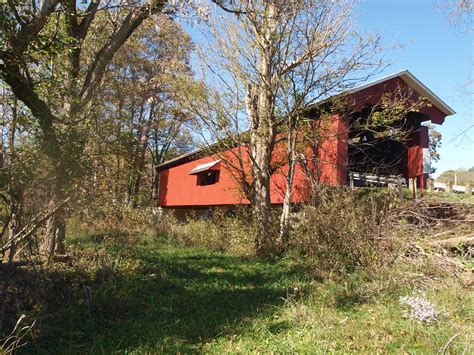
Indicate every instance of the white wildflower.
{"type": "Point", "coordinates": [420, 310]}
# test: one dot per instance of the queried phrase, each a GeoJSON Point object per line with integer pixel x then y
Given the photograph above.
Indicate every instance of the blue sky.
{"type": "Point", "coordinates": [438, 54]}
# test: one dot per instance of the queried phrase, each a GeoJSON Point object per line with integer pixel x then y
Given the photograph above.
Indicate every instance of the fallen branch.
{"type": "Point", "coordinates": [443, 350]}
{"type": "Point", "coordinates": [29, 229]}
{"type": "Point", "coordinates": [441, 233]}
{"type": "Point", "coordinates": [453, 243]}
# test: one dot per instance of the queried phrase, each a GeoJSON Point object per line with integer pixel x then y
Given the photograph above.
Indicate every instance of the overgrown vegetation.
{"type": "Point", "coordinates": [94, 96]}
{"type": "Point", "coordinates": [451, 197]}
{"type": "Point", "coordinates": [196, 285]}
{"type": "Point", "coordinates": [225, 231]}
{"type": "Point", "coordinates": [135, 292]}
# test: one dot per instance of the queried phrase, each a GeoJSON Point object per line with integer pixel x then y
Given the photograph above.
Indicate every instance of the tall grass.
{"type": "Point", "coordinates": [223, 231]}
{"type": "Point", "coordinates": [341, 232]}
{"type": "Point", "coordinates": [349, 230]}
{"type": "Point", "coordinates": [144, 285]}
{"type": "Point", "coordinates": [141, 294]}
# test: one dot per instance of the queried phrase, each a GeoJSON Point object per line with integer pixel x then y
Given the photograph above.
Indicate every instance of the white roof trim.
{"type": "Point", "coordinates": [416, 84]}
{"type": "Point", "coordinates": [204, 167]}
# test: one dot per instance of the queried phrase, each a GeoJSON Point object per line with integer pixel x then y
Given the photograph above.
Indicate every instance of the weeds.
{"type": "Point", "coordinates": [16, 338]}
{"type": "Point", "coordinates": [112, 221]}
{"type": "Point", "coordinates": [196, 286]}
{"type": "Point", "coordinates": [144, 294]}
{"type": "Point", "coordinates": [347, 231]}
{"type": "Point", "coordinates": [222, 232]}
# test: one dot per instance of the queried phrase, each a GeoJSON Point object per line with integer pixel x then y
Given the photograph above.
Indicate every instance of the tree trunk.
{"type": "Point", "coordinates": [155, 186]}
{"type": "Point", "coordinates": [260, 110]}
{"type": "Point", "coordinates": [15, 224]}
{"type": "Point", "coordinates": [140, 154]}
{"type": "Point", "coordinates": [55, 234]}
{"type": "Point", "coordinates": [140, 167]}
{"type": "Point", "coordinates": [285, 214]}
{"type": "Point", "coordinates": [136, 189]}
{"type": "Point", "coordinates": [262, 209]}
{"type": "Point", "coordinates": [15, 190]}
{"type": "Point", "coordinates": [261, 141]}
{"type": "Point", "coordinates": [261, 198]}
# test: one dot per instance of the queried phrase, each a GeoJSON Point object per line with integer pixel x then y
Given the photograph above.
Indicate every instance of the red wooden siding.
{"type": "Point", "coordinates": [413, 161]}
{"type": "Point", "coordinates": [179, 188]}
{"type": "Point", "coordinates": [373, 94]}
{"type": "Point", "coordinates": [333, 151]}
{"type": "Point", "coordinates": [328, 161]}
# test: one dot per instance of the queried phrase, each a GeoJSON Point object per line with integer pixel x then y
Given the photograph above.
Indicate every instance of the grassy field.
{"type": "Point", "coordinates": [451, 197]}
{"type": "Point", "coordinates": [442, 196]}
{"type": "Point", "coordinates": [143, 295]}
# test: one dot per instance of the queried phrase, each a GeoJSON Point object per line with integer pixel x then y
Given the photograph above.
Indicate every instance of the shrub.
{"type": "Point", "coordinates": [224, 231]}
{"type": "Point", "coordinates": [348, 230]}
{"type": "Point", "coordinates": [112, 220]}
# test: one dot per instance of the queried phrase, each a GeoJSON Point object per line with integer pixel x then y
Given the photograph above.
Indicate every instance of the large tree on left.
{"type": "Point", "coordinates": [43, 60]}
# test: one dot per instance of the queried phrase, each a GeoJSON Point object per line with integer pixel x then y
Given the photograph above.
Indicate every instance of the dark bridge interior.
{"type": "Point", "coordinates": [379, 149]}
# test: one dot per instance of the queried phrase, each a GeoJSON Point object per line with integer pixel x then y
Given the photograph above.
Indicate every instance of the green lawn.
{"type": "Point", "coordinates": [451, 197]}
{"type": "Point", "coordinates": [152, 297]}
{"type": "Point", "coordinates": [442, 196]}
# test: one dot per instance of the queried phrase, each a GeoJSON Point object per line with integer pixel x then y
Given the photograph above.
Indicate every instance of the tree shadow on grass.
{"type": "Point", "coordinates": [175, 301]}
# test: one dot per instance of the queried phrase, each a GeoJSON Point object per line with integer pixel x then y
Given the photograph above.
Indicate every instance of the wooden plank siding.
{"type": "Point", "coordinates": [329, 160]}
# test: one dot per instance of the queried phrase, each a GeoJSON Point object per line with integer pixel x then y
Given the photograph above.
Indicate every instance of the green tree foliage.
{"type": "Point", "coordinates": [140, 119]}
{"type": "Point", "coordinates": [58, 59]}
{"type": "Point", "coordinates": [461, 176]}
{"type": "Point", "coordinates": [435, 143]}
{"type": "Point", "coordinates": [55, 66]}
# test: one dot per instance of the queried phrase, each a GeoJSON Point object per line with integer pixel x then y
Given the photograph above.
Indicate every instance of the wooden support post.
{"type": "Point", "coordinates": [449, 186]}
{"type": "Point", "coordinates": [401, 196]}
{"type": "Point", "coordinates": [410, 184]}
{"type": "Point", "coordinates": [429, 185]}
{"type": "Point", "coordinates": [351, 180]}
{"type": "Point", "coordinates": [422, 185]}
{"type": "Point", "coordinates": [415, 196]}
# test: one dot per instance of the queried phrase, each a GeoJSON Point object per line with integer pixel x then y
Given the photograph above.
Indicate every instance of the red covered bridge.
{"type": "Point", "coordinates": [196, 180]}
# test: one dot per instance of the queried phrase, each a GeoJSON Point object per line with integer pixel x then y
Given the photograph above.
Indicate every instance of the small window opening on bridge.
{"type": "Point", "coordinates": [208, 177]}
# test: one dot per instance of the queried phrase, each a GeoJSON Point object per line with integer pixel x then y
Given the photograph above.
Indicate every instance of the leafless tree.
{"type": "Point", "coordinates": [459, 12]}
{"type": "Point", "coordinates": [268, 62]}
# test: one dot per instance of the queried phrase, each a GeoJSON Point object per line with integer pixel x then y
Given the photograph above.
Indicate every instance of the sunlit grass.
{"type": "Point", "coordinates": [451, 197]}
{"type": "Point", "coordinates": [152, 297]}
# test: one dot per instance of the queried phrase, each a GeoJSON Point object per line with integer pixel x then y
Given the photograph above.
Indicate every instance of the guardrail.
{"type": "Point", "coordinates": [397, 180]}
{"type": "Point", "coordinates": [454, 188]}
